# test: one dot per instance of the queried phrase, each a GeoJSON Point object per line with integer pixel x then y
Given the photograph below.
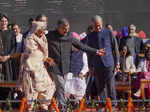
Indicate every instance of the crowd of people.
{"type": "Point", "coordinates": [42, 62]}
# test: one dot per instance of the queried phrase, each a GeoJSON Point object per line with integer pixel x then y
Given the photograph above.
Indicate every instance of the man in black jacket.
{"type": "Point", "coordinates": [60, 46]}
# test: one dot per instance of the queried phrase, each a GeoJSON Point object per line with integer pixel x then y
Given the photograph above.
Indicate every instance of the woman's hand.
{"type": "Point", "coordinates": [50, 61]}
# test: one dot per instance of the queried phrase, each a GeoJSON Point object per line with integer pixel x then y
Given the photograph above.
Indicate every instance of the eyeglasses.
{"type": "Point", "coordinates": [131, 29]}
{"type": "Point", "coordinates": [3, 21]}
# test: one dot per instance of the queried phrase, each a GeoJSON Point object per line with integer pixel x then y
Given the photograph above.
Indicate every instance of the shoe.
{"type": "Point", "coordinates": [138, 93]}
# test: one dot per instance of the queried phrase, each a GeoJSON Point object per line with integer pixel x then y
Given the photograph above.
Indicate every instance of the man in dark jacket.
{"type": "Point", "coordinates": [105, 65]}
{"type": "Point", "coordinates": [60, 46]}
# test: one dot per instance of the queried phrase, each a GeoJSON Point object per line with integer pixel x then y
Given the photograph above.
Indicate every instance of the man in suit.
{"type": "Point", "coordinates": [60, 46]}
{"type": "Point", "coordinates": [103, 66]}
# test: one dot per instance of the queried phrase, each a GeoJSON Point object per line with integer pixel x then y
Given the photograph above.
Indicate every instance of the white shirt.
{"type": "Point", "coordinates": [142, 66]}
{"type": "Point", "coordinates": [19, 38]}
{"type": "Point", "coordinates": [85, 68]}
{"type": "Point", "coordinates": [83, 35]}
{"type": "Point", "coordinates": [130, 66]}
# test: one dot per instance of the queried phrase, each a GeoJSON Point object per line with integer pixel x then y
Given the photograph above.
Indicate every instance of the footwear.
{"type": "Point", "coordinates": [138, 93]}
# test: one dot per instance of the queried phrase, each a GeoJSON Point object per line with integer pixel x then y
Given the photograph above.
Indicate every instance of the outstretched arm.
{"type": "Point", "coordinates": [86, 48]}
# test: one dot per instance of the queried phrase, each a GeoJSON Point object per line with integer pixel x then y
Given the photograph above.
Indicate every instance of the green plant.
{"type": "Point", "coordinates": [97, 106]}
{"type": "Point", "coordinates": [93, 104]}
{"type": "Point", "coordinates": [122, 105]}
{"type": "Point", "coordinates": [9, 105]}
{"type": "Point", "coordinates": [70, 107]}
{"type": "Point", "coordinates": [142, 107]}
{"type": "Point", "coordinates": [36, 104]}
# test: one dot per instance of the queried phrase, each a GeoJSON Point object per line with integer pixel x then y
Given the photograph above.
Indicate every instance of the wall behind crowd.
{"type": "Point", "coordinates": [116, 12]}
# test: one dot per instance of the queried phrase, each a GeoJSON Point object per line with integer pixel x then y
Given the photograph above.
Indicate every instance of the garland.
{"type": "Point", "coordinates": [83, 106]}
{"type": "Point", "coordinates": [122, 105]}
{"type": "Point", "coordinates": [9, 105]}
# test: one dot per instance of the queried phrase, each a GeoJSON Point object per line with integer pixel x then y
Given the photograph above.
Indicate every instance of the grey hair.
{"type": "Point", "coordinates": [96, 18]}
{"type": "Point", "coordinates": [62, 21]}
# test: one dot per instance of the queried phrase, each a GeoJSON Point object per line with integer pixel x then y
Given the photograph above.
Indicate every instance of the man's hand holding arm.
{"type": "Point", "coordinates": [83, 47]}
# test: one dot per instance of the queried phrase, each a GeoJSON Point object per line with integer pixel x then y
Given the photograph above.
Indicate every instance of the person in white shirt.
{"type": "Point", "coordinates": [79, 63]}
{"type": "Point", "coordinates": [78, 72]}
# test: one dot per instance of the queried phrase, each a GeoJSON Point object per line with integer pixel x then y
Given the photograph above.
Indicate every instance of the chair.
{"type": "Point", "coordinates": [124, 85]}
{"type": "Point", "coordinates": [7, 90]}
{"type": "Point", "coordinates": [143, 82]}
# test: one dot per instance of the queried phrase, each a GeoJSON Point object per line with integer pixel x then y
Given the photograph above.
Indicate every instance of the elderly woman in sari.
{"type": "Point", "coordinates": [37, 83]}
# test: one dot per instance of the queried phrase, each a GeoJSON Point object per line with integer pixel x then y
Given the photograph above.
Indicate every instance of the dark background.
{"type": "Point", "coordinates": [119, 13]}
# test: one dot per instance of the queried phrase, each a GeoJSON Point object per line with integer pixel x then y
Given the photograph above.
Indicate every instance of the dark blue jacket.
{"type": "Point", "coordinates": [104, 39]}
{"type": "Point", "coordinates": [76, 63]}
